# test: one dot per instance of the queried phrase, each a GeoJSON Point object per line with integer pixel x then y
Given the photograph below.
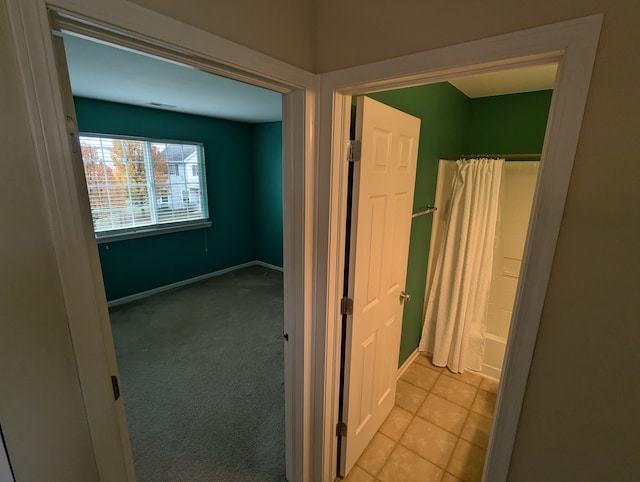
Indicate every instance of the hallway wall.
{"type": "Point", "coordinates": [570, 392]}
{"type": "Point", "coordinates": [283, 29]}
{"type": "Point", "coordinates": [42, 409]}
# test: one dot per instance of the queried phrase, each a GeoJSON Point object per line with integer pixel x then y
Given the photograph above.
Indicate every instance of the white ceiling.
{"type": "Point", "coordinates": [106, 72]}
{"type": "Point", "coordinates": [526, 79]}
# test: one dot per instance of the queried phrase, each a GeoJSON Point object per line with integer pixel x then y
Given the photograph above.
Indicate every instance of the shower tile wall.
{"type": "Point", "coordinates": [519, 185]}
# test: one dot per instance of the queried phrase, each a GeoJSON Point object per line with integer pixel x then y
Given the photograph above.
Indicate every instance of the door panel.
{"type": "Point", "coordinates": [120, 433]}
{"type": "Point", "coordinates": [383, 185]}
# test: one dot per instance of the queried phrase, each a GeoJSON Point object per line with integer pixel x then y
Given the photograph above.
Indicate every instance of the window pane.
{"type": "Point", "coordinates": [177, 186]}
{"type": "Point", "coordinates": [134, 182]}
{"type": "Point", "coordinates": [142, 215]}
{"type": "Point", "coordinates": [122, 218]}
{"type": "Point", "coordinates": [127, 150]}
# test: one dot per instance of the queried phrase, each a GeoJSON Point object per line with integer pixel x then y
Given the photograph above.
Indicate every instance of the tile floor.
{"type": "Point", "coordinates": [437, 431]}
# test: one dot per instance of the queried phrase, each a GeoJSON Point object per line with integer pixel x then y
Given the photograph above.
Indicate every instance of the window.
{"type": "Point", "coordinates": [138, 186]}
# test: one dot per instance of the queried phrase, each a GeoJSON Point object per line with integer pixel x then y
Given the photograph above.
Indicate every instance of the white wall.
{"type": "Point", "coordinates": [518, 184]}
{"type": "Point", "coordinates": [283, 29]}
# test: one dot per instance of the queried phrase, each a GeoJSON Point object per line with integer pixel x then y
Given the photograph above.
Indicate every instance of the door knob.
{"type": "Point", "coordinates": [405, 297]}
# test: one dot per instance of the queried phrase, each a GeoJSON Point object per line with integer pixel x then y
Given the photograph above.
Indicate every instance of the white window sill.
{"type": "Point", "coordinates": [142, 232]}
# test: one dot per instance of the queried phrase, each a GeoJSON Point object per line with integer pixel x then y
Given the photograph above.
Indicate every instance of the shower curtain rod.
{"type": "Point", "coordinates": [524, 157]}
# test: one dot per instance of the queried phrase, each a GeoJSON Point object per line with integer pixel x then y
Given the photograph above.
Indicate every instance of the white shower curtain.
{"type": "Point", "coordinates": [455, 320]}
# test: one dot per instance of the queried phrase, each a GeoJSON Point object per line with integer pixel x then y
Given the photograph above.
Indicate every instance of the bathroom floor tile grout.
{"type": "Point", "coordinates": [414, 415]}
{"type": "Point", "coordinates": [460, 436]}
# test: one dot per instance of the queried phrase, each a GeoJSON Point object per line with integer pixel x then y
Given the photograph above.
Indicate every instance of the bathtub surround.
{"type": "Point", "coordinates": [518, 186]}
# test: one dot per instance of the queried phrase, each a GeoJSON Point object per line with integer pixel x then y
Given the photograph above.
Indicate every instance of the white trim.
{"type": "Point", "coordinates": [407, 363]}
{"type": "Point", "coordinates": [331, 221]}
{"type": "Point", "coordinates": [490, 372]}
{"type": "Point", "coordinates": [573, 44]}
{"type": "Point", "coordinates": [274, 267]}
{"type": "Point", "coordinates": [106, 237]}
{"type": "Point", "coordinates": [65, 198]}
{"type": "Point", "coordinates": [177, 284]}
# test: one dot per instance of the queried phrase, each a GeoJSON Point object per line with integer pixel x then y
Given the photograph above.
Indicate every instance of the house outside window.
{"type": "Point", "coordinates": [139, 185]}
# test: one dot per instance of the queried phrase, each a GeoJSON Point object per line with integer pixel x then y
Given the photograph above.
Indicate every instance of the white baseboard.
{"type": "Point", "coordinates": [407, 363]}
{"type": "Point", "coordinates": [491, 372]}
{"type": "Point", "coordinates": [160, 289]}
{"type": "Point", "coordinates": [269, 265]}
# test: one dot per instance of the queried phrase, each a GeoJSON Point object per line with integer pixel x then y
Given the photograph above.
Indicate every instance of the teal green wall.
{"type": "Point", "coordinates": [452, 123]}
{"type": "Point", "coordinates": [443, 110]}
{"type": "Point", "coordinates": [267, 184]}
{"type": "Point", "coordinates": [136, 265]}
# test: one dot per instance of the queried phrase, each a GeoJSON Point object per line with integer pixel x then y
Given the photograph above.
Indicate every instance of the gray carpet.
{"type": "Point", "coordinates": [202, 375]}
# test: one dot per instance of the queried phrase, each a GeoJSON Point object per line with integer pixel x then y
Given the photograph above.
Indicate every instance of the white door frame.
{"type": "Point", "coordinates": [573, 45]}
{"type": "Point", "coordinates": [70, 219]}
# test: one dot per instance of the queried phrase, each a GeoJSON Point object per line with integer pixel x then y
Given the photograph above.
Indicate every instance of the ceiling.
{"type": "Point", "coordinates": [525, 79]}
{"type": "Point", "coordinates": [104, 71]}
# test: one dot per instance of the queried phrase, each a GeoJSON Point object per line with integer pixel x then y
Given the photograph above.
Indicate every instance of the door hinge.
{"type": "Point", "coordinates": [355, 151]}
{"type": "Point", "coordinates": [341, 429]}
{"type": "Point", "coordinates": [346, 306]}
{"type": "Point", "coordinates": [116, 387]}
{"type": "Point", "coordinates": [72, 131]}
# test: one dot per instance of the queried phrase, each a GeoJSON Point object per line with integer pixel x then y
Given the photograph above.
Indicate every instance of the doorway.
{"type": "Point", "coordinates": [74, 241]}
{"type": "Point", "coordinates": [185, 193]}
{"type": "Point", "coordinates": [547, 210]}
{"type": "Point", "coordinates": [468, 115]}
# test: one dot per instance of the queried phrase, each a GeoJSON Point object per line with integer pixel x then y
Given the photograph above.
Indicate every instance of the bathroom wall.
{"type": "Point", "coordinates": [453, 123]}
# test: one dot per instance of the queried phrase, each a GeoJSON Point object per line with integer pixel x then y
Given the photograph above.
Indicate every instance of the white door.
{"type": "Point", "coordinates": [383, 185]}
{"type": "Point", "coordinates": [122, 442]}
